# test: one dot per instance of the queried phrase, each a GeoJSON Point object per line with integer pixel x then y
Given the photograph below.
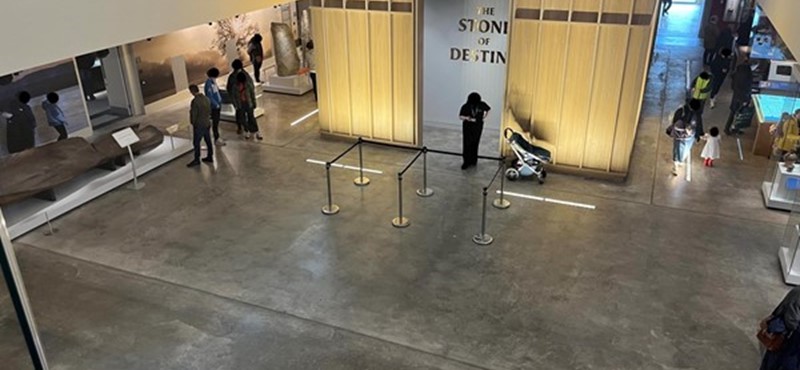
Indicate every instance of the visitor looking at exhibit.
{"type": "Point", "coordinates": [215, 97]}
{"type": "Point", "coordinates": [256, 53]}
{"type": "Point", "coordinates": [200, 118]}
{"type": "Point", "coordinates": [241, 90]}
{"type": "Point", "coordinates": [55, 116]}
{"type": "Point", "coordinates": [472, 114]}
{"type": "Point", "coordinates": [21, 124]}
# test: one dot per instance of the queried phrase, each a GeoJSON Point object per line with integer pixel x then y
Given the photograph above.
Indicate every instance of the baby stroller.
{"type": "Point", "coordinates": [530, 158]}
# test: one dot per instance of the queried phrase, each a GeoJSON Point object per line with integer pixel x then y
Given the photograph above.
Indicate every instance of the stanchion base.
{"type": "Point", "coordinates": [427, 192]}
{"type": "Point", "coordinates": [400, 222]}
{"type": "Point", "coordinates": [484, 239]}
{"type": "Point", "coordinates": [51, 232]}
{"type": "Point", "coordinates": [501, 203]}
{"type": "Point", "coordinates": [332, 210]}
{"type": "Point", "coordinates": [136, 186]}
{"type": "Point", "coordinates": [361, 181]}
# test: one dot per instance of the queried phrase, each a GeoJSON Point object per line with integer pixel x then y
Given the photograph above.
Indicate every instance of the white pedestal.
{"type": "Point", "coordinates": [776, 194]}
{"type": "Point", "coordinates": [790, 276]}
{"type": "Point", "coordinates": [293, 85]}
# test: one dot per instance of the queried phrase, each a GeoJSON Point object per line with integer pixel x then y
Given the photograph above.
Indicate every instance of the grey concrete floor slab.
{"type": "Point", "coordinates": [663, 274]}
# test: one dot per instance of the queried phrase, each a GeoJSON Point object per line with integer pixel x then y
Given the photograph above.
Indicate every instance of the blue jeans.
{"type": "Point", "coordinates": [201, 134]}
{"type": "Point", "coordinates": [681, 149]}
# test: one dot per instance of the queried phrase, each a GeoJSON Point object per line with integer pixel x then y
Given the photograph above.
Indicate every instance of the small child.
{"type": "Point", "coordinates": [711, 149]}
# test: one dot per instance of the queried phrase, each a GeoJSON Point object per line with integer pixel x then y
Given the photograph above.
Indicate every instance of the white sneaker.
{"type": "Point", "coordinates": [713, 103]}
{"type": "Point", "coordinates": [675, 169]}
{"type": "Point", "coordinates": [220, 142]}
{"type": "Point", "coordinates": [247, 136]}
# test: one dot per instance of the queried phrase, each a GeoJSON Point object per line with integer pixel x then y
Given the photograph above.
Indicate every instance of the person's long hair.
{"type": "Point", "coordinates": [473, 99]}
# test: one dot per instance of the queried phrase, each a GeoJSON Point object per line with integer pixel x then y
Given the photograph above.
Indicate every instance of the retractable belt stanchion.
{"type": "Point", "coordinates": [330, 208]}
{"type": "Point", "coordinates": [361, 180]}
{"type": "Point", "coordinates": [400, 221]}
{"type": "Point", "coordinates": [502, 202]}
{"type": "Point", "coordinates": [484, 238]}
{"type": "Point", "coordinates": [425, 191]}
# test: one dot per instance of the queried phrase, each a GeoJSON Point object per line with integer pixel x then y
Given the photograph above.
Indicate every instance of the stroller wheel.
{"type": "Point", "coordinates": [542, 176]}
{"type": "Point", "coordinates": [512, 174]}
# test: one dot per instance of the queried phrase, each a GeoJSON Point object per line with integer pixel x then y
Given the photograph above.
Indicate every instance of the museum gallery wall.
{"type": "Point", "coordinates": [59, 77]}
{"type": "Point", "coordinates": [184, 56]}
{"type": "Point", "coordinates": [366, 64]}
{"type": "Point", "coordinates": [576, 74]}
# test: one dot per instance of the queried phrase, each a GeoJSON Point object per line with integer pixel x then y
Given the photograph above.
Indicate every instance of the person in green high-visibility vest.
{"type": "Point", "coordinates": [701, 90]}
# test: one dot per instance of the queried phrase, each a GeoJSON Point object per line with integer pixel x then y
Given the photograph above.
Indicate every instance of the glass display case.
{"type": "Point", "coordinates": [790, 259]}
{"type": "Point", "coordinates": [777, 186]}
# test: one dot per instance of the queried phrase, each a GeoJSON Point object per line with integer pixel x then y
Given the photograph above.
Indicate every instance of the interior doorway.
{"type": "Point", "coordinates": [105, 87]}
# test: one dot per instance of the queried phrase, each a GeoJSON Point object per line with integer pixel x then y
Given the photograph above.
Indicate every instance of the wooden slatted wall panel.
{"type": "Point", "coordinates": [586, 5]}
{"type": "Point", "coordinates": [403, 68]}
{"type": "Point", "coordinates": [605, 99]}
{"type": "Point", "coordinates": [338, 65]}
{"type": "Point", "coordinates": [530, 4]}
{"type": "Point", "coordinates": [635, 68]}
{"type": "Point", "coordinates": [617, 6]}
{"type": "Point", "coordinates": [381, 75]}
{"type": "Point", "coordinates": [524, 40]}
{"type": "Point", "coordinates": [549, 78]}
{"type": "Point", "coordinates": [644, 6]}
{"type": "Point", "coordinates": [360, 99]}
{"type": "Point", "coordinates": [323, 101]}
{"type": "Point", "coordinates": [556, 4]}
{"type": "Point", "coordinates": [577, 94]}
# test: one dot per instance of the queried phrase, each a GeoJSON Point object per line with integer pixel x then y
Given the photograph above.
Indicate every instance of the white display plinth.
{"type": "Point", "coordinates": [776, 194]}
{"type": "Point", "coordinates": [293, 85]}
{"type": "Point", "coordinates": [26, 215]}
{"type": "Point", "coordinates": [228, 113]}
{"type": "Point", "coordinates": [791, 275]}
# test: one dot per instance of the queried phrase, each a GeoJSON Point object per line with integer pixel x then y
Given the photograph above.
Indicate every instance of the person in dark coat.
{"type": "Point", "coordinates": [785, 318]}
{"type": "Point", "coordinates": [231, 88]}
{"type": "Point", "coordinates": [21, 127]}
{"type": "Point", "coordinates": [472, 114]}
{"type": "Point", "coordinates": [710, 38]}
{"type": "Point", "coordinates": [720, 67]}
{"type": "Point", "coordinates": [667, 4]}
{"type": "Point", "coordinates": [725, 39]}
{"type": "Point", "coordinates": [742, 88]}
{"type": "Point", "coordinates": [200, 117]}
{"type": "Point", "coordinates": [256, 53]}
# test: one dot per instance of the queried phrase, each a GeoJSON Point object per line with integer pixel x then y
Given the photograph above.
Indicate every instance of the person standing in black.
{"type": "Point", "coordinates": [472, 113]}
{"type": "Point", "coordinates": [200, 118]}
{"type": "Point", "coordinates": [720, 67]}
{"type": "Point", "coordinates": [667, 4]}
{"type": "Point", "coordinates": [256, 53]}
{"type": "Point", "coordinates": [21, 127]}
{"type": "Point", "coordinates": [742, 90]}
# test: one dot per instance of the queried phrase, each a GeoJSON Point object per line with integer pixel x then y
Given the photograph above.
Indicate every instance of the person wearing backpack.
{"type": "Point", "coordinates": [683, 131]}
{"type": "Point", "coordinates": [778, 332]}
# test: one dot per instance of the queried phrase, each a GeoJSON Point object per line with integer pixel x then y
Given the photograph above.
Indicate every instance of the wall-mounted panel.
{"type": "Point", "coordinates": [358, 49]}
{"type": "Point", "coordinates": [323, 86]}
{"type": "Point", "coordinates": [380, 38]}
{"type": "Point", "coordinates": [339, 71]}
{"type": "Point", "coordinates": [611, 50]}
{"type": "Point", "coordinates": [525, 41]}
{"type": "Point", "coordinates": [549, 78]}
{"type": "Point", "coordinates": [617, 6]}
{"type": "Point", "coordinates": [635, 68]}
{"type": "Point", "coordinates": [577, 93]}
{"type": "Point", "coordinates": [403, 79]}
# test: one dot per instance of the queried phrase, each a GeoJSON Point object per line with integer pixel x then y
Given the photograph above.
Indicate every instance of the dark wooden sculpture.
{"type": "Point", "coordinates": [39, 170]}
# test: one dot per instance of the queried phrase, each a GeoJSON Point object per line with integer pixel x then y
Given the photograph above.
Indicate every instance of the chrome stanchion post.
{"type": "Point", "coordinates": [361, 180]}
{"type": "Point", "coordinates": [400, 221]}
{"type": "Point", "coordinates": [330, 208]}
{"type": "Point", "coordinates": [483, 238]}
{"type": "Point", "coordinates": [425, 191]}
{"type": "Point", "coordinates": [502, 202]}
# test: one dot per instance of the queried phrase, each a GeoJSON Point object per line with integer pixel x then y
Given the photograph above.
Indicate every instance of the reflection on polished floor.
{"type": "Point", "coordinates": [234, 267]}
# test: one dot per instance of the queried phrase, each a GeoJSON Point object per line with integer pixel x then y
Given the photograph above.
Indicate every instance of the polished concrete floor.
{"type": "Point", "coordinates": [233, 266]}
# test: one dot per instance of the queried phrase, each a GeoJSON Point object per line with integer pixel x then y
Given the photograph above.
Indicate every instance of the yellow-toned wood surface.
{"type": "Point", "coordinates": [635, 66]}
{"type": "Point", "coordinates": [617, 6]}
{"type": "Point", "coordinates": [380, 38]}
{"type": "Point", "coordinates": [586, 5]}
{"type": "Point", "coordinates": [323, 95]}
{"type": "Point", "coordinates": [528, 4]}
{"type": "Point", "coordinates": [338, 68]}
{"type": "Point", "coordinates": [645, 6]}
{"type": "Point", "coordinates": [549, 78]}
{"type": "Point", "coordinates": [358, 49]}
{"type": "Point", "coordinates": [403, 68]}
{"type": "Point", "coordinates": [577, 93]}
{"type": "Point", "coordinates": [609, 68]}
{"type": "Point", "coordinates": [366, 73]}
{"type": "Point", "coordinates": [525, 40]}
{"type": "Point", "coordinates": [556, 4]}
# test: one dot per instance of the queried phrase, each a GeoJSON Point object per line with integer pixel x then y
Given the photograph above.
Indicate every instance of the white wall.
{"type": "Point", "coordinates": [784, 16]}
{"type": "Point", "coordinates": [36, 32]}
{"type": "Point", "coordinates": [448, 82]}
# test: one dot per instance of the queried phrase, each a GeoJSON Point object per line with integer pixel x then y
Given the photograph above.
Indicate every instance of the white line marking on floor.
{"type": "Point", "coordinates": [337, 165]}
{"type": "Point", "coordinates": [550, 200]}
{"type": "Point", "coordinates": [303, 118]}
